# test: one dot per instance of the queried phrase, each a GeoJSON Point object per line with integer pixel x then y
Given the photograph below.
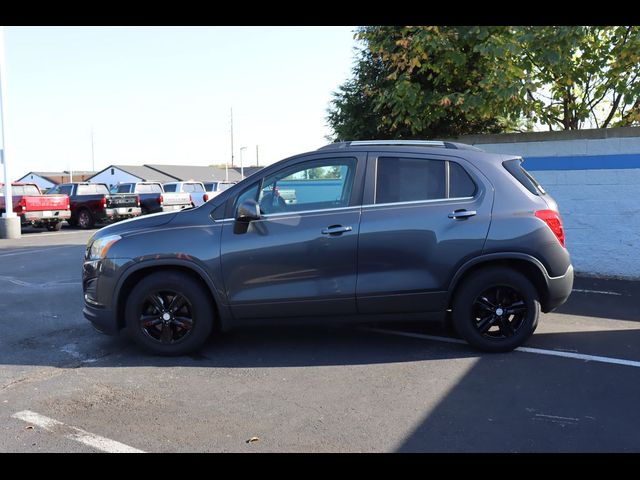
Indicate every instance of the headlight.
{"type": "Point", "coordinates": [100, 247]}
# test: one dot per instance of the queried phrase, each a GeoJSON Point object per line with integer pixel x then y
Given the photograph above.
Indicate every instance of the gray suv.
{"type": "Point", "coordinates": [372, 230]}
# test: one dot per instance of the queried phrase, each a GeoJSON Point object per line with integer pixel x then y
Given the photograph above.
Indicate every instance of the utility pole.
{"type": "Point", "coordinates": [232, 138]}
{"type": "Point", "coordinates": [257, 162]}
{"type": "Point", "coordinates": [93, 162]}
{"type": "Point", "coordinates": [9, 223]}
{"type": "Point", "coordinates": [242, 164]}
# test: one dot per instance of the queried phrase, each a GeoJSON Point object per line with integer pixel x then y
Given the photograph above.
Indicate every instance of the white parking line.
{"type": "Point", "coordinates": [95, 441]}
{"type": "Point", "coordinates": [538, 351]}
{"type": "Point", "coordinates": [24, 252]}
{"type": "Point", "coordinates": [603, 292]}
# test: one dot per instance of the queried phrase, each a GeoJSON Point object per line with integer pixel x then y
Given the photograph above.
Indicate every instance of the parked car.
{"type": "Point", "coordinates": [92, 203]}
{"type": "Point", "coordinates": [153, 199]}
{"type": "Point", "coordinates": [37, 209]}
{"type": "Point", "coordinates": [215, 188]}
{"type": "Point", "coordinates": [196, 189]}
{"type": "Point", "coordinates": [380, 230]}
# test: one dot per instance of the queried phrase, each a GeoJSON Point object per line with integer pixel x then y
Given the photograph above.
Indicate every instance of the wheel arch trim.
{"type": "Point", "coordinates": [223, 311]}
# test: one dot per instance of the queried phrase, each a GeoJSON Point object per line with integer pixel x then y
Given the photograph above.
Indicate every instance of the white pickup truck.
{"type": "Point", "coordinates": [196, 189]}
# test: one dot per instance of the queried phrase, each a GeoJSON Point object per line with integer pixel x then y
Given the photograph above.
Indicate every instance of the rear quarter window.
{"type": "Point", "coordinates": [528, 181]}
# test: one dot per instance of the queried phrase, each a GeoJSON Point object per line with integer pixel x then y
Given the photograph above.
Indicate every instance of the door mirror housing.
{"type": "Point", "coordinates": [248, 211]}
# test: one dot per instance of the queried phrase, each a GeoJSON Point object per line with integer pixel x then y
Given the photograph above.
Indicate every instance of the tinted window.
{"type": "Point", "coordinates": [60, 189]}
{"type": "Point", "coordinates": [169, 188]}
{"type": "Point", "coordinates": [515, 168]}
{"type": "Point", "coordinates": [409, 179]}
{"type": "Point", "coordinates": [123, 189]}
{"type": "Point", "coordinates": [460, 183]}
{"type": "Point", "coordinates": [210, 187]}
{"type": "Point", "coordinates": [309, 186]}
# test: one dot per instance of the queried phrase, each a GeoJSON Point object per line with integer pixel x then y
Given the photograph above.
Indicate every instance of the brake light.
{"type": "Point", "coordinates": [205, 197]}
{"type": "Point", "coordinates": [138, 200]}
{"type": "Point", "coordinates": [103, 202]}
{"type": "Point", "coordinates": [553, 220]}
{"type": "Point", "coordinates": [21, 206]}
{"type": "Point", "coordinates": [161, 199]}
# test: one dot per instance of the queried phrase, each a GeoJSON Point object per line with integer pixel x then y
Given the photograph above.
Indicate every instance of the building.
{"type": "Point", "coordinates": [114, 174]}
{"type": "Point", "coordinates": [46, 180]}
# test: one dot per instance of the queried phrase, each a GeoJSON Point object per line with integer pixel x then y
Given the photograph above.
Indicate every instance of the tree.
{"type": "Point", "coordinates": [580, 76]}
{"type": "Point", "coordinates": [423, 82]}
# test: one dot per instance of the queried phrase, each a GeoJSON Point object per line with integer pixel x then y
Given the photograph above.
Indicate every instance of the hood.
{"type": "Point", "coordinates": [136, 224]}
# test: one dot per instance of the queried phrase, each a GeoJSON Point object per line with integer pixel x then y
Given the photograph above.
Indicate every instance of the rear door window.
{"type": "Point", "coordinates": [409, 180]}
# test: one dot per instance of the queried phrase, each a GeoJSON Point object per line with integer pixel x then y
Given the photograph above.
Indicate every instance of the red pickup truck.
{"type": "Point", "coordinates": [37, 209]}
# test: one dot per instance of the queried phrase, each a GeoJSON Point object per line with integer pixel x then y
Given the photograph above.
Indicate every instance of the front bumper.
{"type": "Point", "coordinates": [558, 290]}
{"type": "Point", "coordinates": [103, 320]}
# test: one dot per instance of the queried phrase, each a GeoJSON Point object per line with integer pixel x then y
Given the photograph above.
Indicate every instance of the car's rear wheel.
{"type": "Point", "coordinates": [169, 314]}
{"type": "Point", "coordinates": [496, 309]}
{"type": "Point", "coordinates": [85, 219]}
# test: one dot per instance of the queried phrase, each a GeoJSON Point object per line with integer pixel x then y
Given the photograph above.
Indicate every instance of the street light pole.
{"type": "Point", "coordinates": [242, 164]}
{"type": "Point", "coordinates": [9, 223]}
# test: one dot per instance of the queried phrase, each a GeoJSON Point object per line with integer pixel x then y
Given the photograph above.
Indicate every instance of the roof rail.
{"type": "Point", "coordinates": [409, 143]}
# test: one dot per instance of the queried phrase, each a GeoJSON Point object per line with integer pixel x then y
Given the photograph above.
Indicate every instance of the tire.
{"type": "Point", "coordinates": [85, 220]}
{"type": "Point", "coordinates": [198, 308]}
{"type": "Point", "coordinates": [496, 309]}
{"type": "Point", "coordinates": [54, 227]}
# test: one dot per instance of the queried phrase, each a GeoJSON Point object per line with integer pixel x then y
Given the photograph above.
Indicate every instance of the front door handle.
{"type": "Point", "coordinates": [335, 230]}
{"type": "Point", "coordinates": [462, 214]}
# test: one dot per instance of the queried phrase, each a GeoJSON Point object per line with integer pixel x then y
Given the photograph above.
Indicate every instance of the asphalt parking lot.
{"type": "Point", "coordinates": [378, 388]}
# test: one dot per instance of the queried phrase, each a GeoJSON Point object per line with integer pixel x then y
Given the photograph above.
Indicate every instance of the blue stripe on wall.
{"type": "Point", "coordinates": [582, 162]}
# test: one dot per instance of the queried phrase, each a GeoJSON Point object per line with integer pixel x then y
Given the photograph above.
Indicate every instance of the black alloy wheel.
{"type": "Point", "coordinates": [499, 312]}
{"type": "Point", "coordinates": [169, 313]}
{"type": "Point", "coordinates": [496, 309]}
{"type": "Point", "coordinates": [166, 317]}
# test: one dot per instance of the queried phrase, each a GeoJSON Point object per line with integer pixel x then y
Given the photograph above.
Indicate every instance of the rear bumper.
{"type": "Point", "coordinates": [103, 320]}
{"type": "Point", "coordinates": [45, 216]}
{"type": "Point", "coordinates": [174, 208]}
{"type": "Point", "coordinates": [558, 290]}
{"type": "Point", "coordinates": [114, 214]}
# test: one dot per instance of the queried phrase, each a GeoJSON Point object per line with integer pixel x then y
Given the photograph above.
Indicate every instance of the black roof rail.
{"type": "Point", "coordinates": [408, 143]}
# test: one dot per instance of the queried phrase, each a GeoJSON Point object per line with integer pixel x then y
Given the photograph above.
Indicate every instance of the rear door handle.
{"type": "Point", "coordinates": [462, 214]}
{"type": "Point", "coordinates": [335, 230]}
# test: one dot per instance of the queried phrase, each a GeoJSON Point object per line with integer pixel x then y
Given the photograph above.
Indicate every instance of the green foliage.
{"type": "Point", "coordinates": [423, 82]}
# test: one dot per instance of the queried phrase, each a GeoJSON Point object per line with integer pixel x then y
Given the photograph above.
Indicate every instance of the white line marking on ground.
{"type": "Point", "coordinates": [23, 252]}
{"type": "Point", "coordinates": [539, 351]}
{"type": "Point", "coordinates": [603, 292]}
{"type": "Point", "coordinates": [95, 441]}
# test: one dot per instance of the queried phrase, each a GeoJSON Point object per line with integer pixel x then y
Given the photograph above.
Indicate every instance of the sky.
{"type": "Point", "coordinates": [163, 95]}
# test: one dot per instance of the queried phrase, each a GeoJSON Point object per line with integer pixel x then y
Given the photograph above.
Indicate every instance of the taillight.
{"type": "Point", "coordinates": [205, 197]}
{"type": "Point", "coordinates": [103, 202]}
{"type": "Point", "coordinates": [161, 199]}
{"type": "Point", "coordinates": [21, 206]}
{"type": "Point", "coordinates": [553, 220]}
{"type": "Point", "coordinates": [138, 199]}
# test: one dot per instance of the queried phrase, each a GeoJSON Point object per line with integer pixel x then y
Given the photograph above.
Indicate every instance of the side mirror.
{"type": "Point", "coordinates": [248, 211]}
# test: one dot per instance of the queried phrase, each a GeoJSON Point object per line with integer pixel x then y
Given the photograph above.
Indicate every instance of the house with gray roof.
{"type": "Point", "coordinates": [46, 180]}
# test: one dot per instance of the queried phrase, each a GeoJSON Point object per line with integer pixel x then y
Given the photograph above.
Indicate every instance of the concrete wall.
{"type": "Point", "coordinates": [594, 175]}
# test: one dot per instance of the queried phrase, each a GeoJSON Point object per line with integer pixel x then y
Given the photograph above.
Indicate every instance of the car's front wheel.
{"type": "Point", "coordinates": [169, 314]}
{"type": "Point", "coordinates": [496, 309]}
